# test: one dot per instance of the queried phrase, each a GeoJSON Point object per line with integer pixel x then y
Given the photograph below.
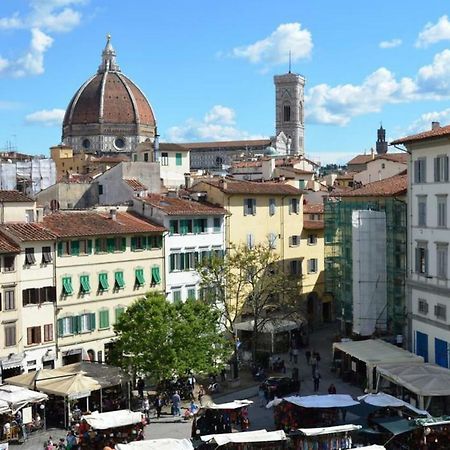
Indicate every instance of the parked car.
{"type": "Point", "coordinates": [280, 386]}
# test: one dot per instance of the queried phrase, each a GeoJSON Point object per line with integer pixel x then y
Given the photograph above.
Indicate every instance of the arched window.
{"type": "Point", "coordinates": [286, 113]}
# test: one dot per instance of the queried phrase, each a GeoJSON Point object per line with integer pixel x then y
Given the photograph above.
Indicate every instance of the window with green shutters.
{"type": "Point", "coordinates": [67, 286]}
{"type": "Point", "coordinates": [111, 245]}
{"type": "Point", "coordinates": [119, 282]}
{"type": "Point", "coordinates": [156, 275]}
{"type": "Point", "coordinates": [173, 227]}
{"type": "Point", "coordinates": [75, 248]}
{"type": "Point", "coordinates": [85, 286]}
{"type": "Point", "coordinates": [199, 225]}
{"type": "Point", "coordinates": [138, 243]}
{"type": "Point", "coordinates": [103, 284]}
{"type": "Point", "coordinates": [118, 312]}
{"type": "Point", "coordinates": [191, 293]}
{"type": "Point", "coordinates": [178, 159]}
{"type": "Point", "coordinates": [104, 319]}
{"type": "Point", "coordinates": [185, 226]}
{"type": "Point", "coordinates": [139, 277]}
{"type": "Point", "coordinates": [101, 245]}
{"type": "Point", "coordinates": [154, 242]}
{"type": "Point", "coordinates": [76, 324]}
{"type": "Point", "coordinates": [217, 227]}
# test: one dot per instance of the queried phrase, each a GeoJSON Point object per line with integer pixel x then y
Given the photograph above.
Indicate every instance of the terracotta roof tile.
{"type": "Point", "coordinates": [7, 246]}
{"type": "Point", "coordinates": [93, 223]}
{"type": "Point", "coordinates": [170, 146]}
{"type": "Point", "coordinates": [296, 171]}
{"type": "Point", "coordinates": [136, 185]}
{"type": "Point", "coordinates": [396, 185]}
{"type": "Point", "coordinates": [227, 144]}
{"type": "Point", "coordinates": [25, 232]}
{"type": "Point", "coordinates": [14, 196]}
{"type": "Point", "coordinates": [230, 186]}
{"type": "Point", "coordinates": [436, 133]}
{"type": "Point", "coordinates": [364, 159]}
{"type": "Point", "coordinates": [313, 224]}
{"type": "Point", "coordinates": [175, 206]}
{"type": "Point", "coordinates": [313, 208]}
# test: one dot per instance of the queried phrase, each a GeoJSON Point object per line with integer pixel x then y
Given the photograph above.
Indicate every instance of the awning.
{"type": "Point", "coordinates": [140, 280]}
{"type": "Point", "coordinates": [329, 430]}
{"type": "Point", "coordinates": [17, 397]}
{"type": "Point", "coordinates": [15, 360]}
{"type": "Point", "coordinates": [372, 447]}
{"type": "Point", "coordinates": [322, 401]}
{"type": "Point", "coordinates": [383, 400]}
{"type": "Point", "coordinates": [230, 405]}
{"type": "Point", "coordinates": [433, 421]}
{"type": "Point", "coordinates": [113, 419]}
{"type": "Point", "coordinates": [4, 407]}
{"type": "Point", "coordinates": [395, 425]}
{"type": "Point", "coordinates": [268, 326]}
{"type": "Point", "coordinates": [158, 444]}
{"type": "Point", "coordinates": [156, 277]}
{"type": "Point", "coordinates": [245, 437]}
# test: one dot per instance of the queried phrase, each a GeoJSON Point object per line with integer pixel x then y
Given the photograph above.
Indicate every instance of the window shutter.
{"type": "Point", "coordinates": [97, 246]}
{"type": "Point", "coordinates": [445, 159]}
{"type": "Point", "coordinates": [60, 248]}
{"type": "Point", "coordinates": [124, 244]}
{"type": "Point", "coordinates": [75, 248]}
{"type": "Point", "coordinates": [89, 246]}
{"type": "Point", "coordinates": [110, 245]}
{"type": "Point", "coordinates": [172, 263]}
{"type": "Point", "coordinates": [426, 261]}
{"type": "Point", "coordinates": [74, 324]}
{"type": "Point", "coordinates": [290, 206]}
{"type": "Point", "coordinates": [92, 321]}
{"type": "Point", "coordinates": [254, 206]}
{"type": "Point", "coordinates": [133, 243]}
{"type": "Point", "coordinates": [181, 257]}
{"type": "Point", "coordinates": [436, 169]}
{"type": "Point", "coordinates": [416, 171]}
{"type": "Point", "coordinates": [29, 336]}
{"type": "Point", "coordinates": [107, 318]}
{"type": "Point", "coordinates": [60, 328]}
{"type": "Point", "coordinates": [424, 171]}
{"type": "Point", "coordinates": [417, 255]}
{"type": "Point", "coordinates": [245, 207]}
{"type": "Point", "coordinates": [38, 335]}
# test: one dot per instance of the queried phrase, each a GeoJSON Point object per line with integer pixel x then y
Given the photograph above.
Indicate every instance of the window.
{"type": "Point", "coordinates": [67, 286]}
{"type": "Point", "coordinates": [86, 322]}
{"type": "Point", "coordinates": [100, 189]}
{"type": "Point", "coordinates": [48, 332]}
{"type": "Point", "coordinates": [294, 206]}
{"type": "Point", "coordinates": [29, 215]}
{"type": "Point", "coordinates": [200, 225]}
{"type": "Point", "coordinates": [176, 296]}
{"type": "Point", "coordinates": [175, 262]}
{"type": "Point", "coordinates": [441, 168]}
{"type": "Point", "coordinates": [442, 261]}
{"type": "Point", "coordinates": [383, 165]}
{"type": "Point", "coordinates": [178, 159]}
{"type": "Point", "coordinates": [47, 294]}
{"type": "Point", "coordinates": [312, 239]}
{"type": "Point", "coordinates": [104, 319]}
{"type": "Point", "coordinates": [191, 293]}
{"type": "Point", "coordinates": [422, 210]}
{"type": "Point", "coordinates": [118, 312]}
{"type": "Point", "coordinates": [30, 296]}
{"type": "Point", "coordinates": [84, 247]}
{"type": "Point", "coordinates": [286, 113]}
{"type": "Point", "coordinates": [422, 258]}
{"type": "Point", "coordinates": [65, 326]}
{"type": "Point", "coordinates": [295, 267]}
{"type": "Point", "coordinates": [217, 225]}
{"type": "Point", "coordinates": [9, 302]}
{"type": "Point", "coordinates": [137, 243]}
{"type": "Point", "coordinates": [119, 283]}
{"type": "Point", "coordinates": [156, 275]}
{"type": "Point", "coordinates": [219, 161]}
{"type": "Point", "coordinates": [272, 206]}
{"type": "Point", "coordinates": [103, 284]}
{"type": "Point", "coordinates": [154, 241]}
{"type": "Point", "coordinates": [8, 263]}
{"type": "Point", "coordinates": [420, 166]}
{"type": "Point", "coordinates": [272, 240]}
{"type": "Point", "coordinates": [145, 157]}
{"type": "Point", "coordinates": [422, 306]}
{"type": "Point", "coordinates": [249, 206]}
{"type": "Point", "coordinates": [294, 241]}
{"type": "Point", "coordinates": [10, 335]}
{"type": "Point", "coordinates": [312, 265]}
{"type": "Point", "coordinates": [85, 286]}
{"type": "Point", "coordinates": [164, 159]}
{"type": "Point", "coordinates": [46, 255]}
{"type": "Point", "coordinates": [185, 226]}
{"type": "Point", "coordinates": [101, 245]}
{"type": "Point", "coordinates": [250, 240]}
{"type": "Point", "coordinates": [173, 226]}
{"type": "Point", "coordinates": [440, 311]}
{"type": "Point", "coordinates": [139, 277]}
{"type": "Point", "coordinates": [29, 257]}
{"type": "Point", "coordinates": [33, 335]}
{"type": "Point", "coordinates": [441, 210]}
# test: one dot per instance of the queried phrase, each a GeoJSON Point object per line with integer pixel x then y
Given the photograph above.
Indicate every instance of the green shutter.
{"type": "Point", "coordinates": [156, 276]}
{"type": "Point", "coordinates": [124, 244]}
{"type": "Point", "coordinates": [173, 226]}
{"type": "Point", "coordinates": [75, 323]}
{"type": "Point", "coordinates": [119, 312]}
{"type": "Point", "coordinates": [159, 241]}
{"type": "Point", "coordinates": [60, 328]}
{"type": "Point", "coordinates": [133, 243]}
{"type": "Point", "coordinates": [172, 263]}
{"type": "Point", "coordinates": [98, 247]}
{"type": "Point", "coordinates": [103, 281]}
{"type": "Point", "coordinates": [111, 245]}
{"type": "Point", "coordinates": [197, 226]}
{"type": "Point", "coordinates": [89, 246]}
{"type": "Point", "coordinates": [60, 248]}
{"type": "Point", "coordinates": [118, 278]}
{"type": "Point", "coordinates": [75, 248]}
{"type": "Point", "coordinates": [104, 319]}
{"type": "Point", "coordinates": [178, 159]}
{"type": "Point", "coordinates": [92, 321]}
{"type": "Point", "coordinates": [140, 280]}
{"type": "Point", "coordinates": [85, 285]}
{"type": "Point", "coordinates": [67, 286]}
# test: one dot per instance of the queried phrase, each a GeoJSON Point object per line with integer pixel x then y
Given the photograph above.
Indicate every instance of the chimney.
{"type": "Point", "coordinates": [113, 214]}
{"type": "Point", "coordinates": [435, 125]}
{"type": "Point", "coordinates": [187, 180]}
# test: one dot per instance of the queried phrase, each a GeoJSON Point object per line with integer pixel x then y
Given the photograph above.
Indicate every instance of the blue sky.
{"type": "Point", "coordinates": [207, 67]}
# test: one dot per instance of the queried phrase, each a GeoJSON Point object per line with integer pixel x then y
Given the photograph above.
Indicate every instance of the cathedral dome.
{"type": "Point", "coordinates": [108, 112]}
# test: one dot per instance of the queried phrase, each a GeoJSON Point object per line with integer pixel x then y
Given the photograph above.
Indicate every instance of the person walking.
{"type": "Point", "coordinates": [146, 408]}
{"type": "Point", "coordinates": [140, 387]}
{"type": "Point", "coordinates": [201, 393]}
{"type": "Point", "coordinates": [313, 362]}
{"type": "Point", "coordinates": [176, 403]}
{"type": "Point", "coordinates": [295, 355]}
{"type": "Point", "coordinates": [316, 380]}
{"type": "Point", "coordinates": [158, 405]}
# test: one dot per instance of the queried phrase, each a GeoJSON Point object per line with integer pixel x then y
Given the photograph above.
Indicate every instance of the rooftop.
{"type": "Point", "coordinates": [230, 186]}
{"type": "Point", "coordinates": [26, 232]}
{"type": "Point", "coordinates": [227, 144]}
{"type": "Point", "coordinates": [364, 159]}
{"type": "Point", "coordinates": [389, 187]}
{"type": "Point", "coordinates": [93, 223]}
{"type": "Point", "coordinates": [313, 224]}
{"type": "Point", "coordinates": [7, 246]}
{"type": "Point", "coordinates": [313, 208]}
{"type": "Point", "coordinates": [175, 206]}
{"type": "Point", "coordinates": [14, 197]}
{"type": "Point", "coordinates": [437, 132]}
{"type": "Point", "coordinates": [136, 185]}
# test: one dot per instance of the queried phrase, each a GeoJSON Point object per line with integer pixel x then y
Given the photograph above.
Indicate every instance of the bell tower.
{"type": "Point", "coordinates": [289, 110]}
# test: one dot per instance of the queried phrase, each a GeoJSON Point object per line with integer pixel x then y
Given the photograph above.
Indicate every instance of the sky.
{"type": "Point", "coordinates": [207, 66]}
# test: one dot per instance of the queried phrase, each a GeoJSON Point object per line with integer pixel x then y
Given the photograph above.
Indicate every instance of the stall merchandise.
{"type": "Point", "coordinates": [433, 433]}
{"type": "Point", "coordinates": [17, 397]}
{"type": "Point", "coordinates": [324, 438]}
{"type": "Point", "coordinates": [158, 444]}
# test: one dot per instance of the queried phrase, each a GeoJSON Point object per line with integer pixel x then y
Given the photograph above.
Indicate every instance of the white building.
{"type": "Point", "coordinates": [196, 229]}
{"type": "Point", "coordinates": [428, 242]}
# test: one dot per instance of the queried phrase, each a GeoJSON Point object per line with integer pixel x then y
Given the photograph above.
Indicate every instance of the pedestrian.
{"type": "Point", "coordinates": [61, 445]}
{"type": "Point", "coordinates": [176, 403]}
{"type": "Point", "coordinates": [140, 387]}
{"type": "Point", "coordinates": [201, 393]}
{"type": "Point", "coordinates": [158, 405]}
{"type": "Point", "coordinates": [295, 355]}
{"type": "Point", "coordinates": [316, 379]}
{"type": "Point", "coordinates": [261, 396]}
{"type": "Point", "coordinates": [308, 356]}
{"type": "Point", "coordinates": [71, 441]}
{"type": "Point", "coordinates": [317, 355]}
{"type": "Point", "coordinates": [146, 408]}
{"type": "Point", "coordinates": [332, 389]}
{"type": "Point", "coordinates": [313, 362]}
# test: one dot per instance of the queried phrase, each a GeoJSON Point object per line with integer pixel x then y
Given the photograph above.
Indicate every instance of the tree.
{"type": "Point", "coordinates": [162, 339]}
{"type": "Point", "coordinates": [249, 282]}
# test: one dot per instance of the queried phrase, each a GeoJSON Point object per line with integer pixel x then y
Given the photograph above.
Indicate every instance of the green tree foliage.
{"type": "Point", "coordinates": [161, 339]}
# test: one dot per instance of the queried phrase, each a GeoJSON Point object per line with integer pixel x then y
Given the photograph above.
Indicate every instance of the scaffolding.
{"type": "Point", "coordinates": [339, 261]}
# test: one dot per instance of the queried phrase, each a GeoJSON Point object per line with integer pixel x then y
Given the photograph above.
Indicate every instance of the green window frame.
{"type": "Point", "coordinates": [200, 226]}
{"type": "Point", "coordinates": [103, 318]}
{"type": "Point", "coordinates": [101, 245]}
{"type": "Point", "coordinates": [139, 277]}
{"type": "Point", "coordinates": [217, 227]}
{"type": "Point", "coordinates": [118, 312]}
{"type": "Point", "coordinates": [103, 284]}
{"type": "Point", "coordinates": [178, 159]}
{"type": "Point", "coordinates": [111, 245]}
{"type": "Point", "coordinates": [185, 226]}
{"type": "Point", "coordinates": [74, 248]}
{"type": "Point", "coordinates": [85, 286]}
{"type": "Point", "coordinates": [92, 321]}
{"type": "Point", "coordinates": [156, 275]}
{"type": "Point", "coordinates": [174, 227]}
{"type": "Point", "coordinates": [76, 324]}
{"type": "Point", "coordinates": [67, 285]}
{"type": "Point", "coordinates": [119, 282]}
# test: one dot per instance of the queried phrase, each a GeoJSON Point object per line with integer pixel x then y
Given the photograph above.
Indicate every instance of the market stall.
{"type": "Point", "coordinates": [356, 360]}
{"type": "Point", "coordinates": [158, 444]}
{"type": "Point", "coordinates": [383, 400]}
{"type": "Point", "coordinates": [337, 437]}
{"type": "Point", "coordinates": [260, 439]}
{"type": "Point", "coordinates": [423, 385]}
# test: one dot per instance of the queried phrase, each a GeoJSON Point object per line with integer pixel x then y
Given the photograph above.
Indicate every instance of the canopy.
{"type": "Point", "coordinates": [372, 447]}
{"type": "Point", "coordinates": [230, 405]}
{"type": "Point", "coordinates": [4, 407]}
{"type": "Point", "coordinates": [329, 430]}
{"type": "Point", "coordinates": [322, 401]}
{"type": "Point", "coordinates": [31, 380]}
{"type": "Point", "coordinates": [18, 397]}
{"type": "Point", "coordinates": [383, 400]}
{"type": "Point", "coordinates": [426, 380]}
{"type": "Point", "coordinates": [158, 444]}
{"type": "Point", "coordinates": [244, 437]}
{"type": "Point", "coordinates": [395, 425]}
{"type": "Point", "coordinates": [112, 419]}
{"type": "Point", "coordinates": [268, 326]}
{"type": "Point", "coordinates": [433, 421]}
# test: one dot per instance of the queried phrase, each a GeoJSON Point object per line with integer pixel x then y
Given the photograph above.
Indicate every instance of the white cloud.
{"type": "Point", "coordinates": [275, 48]}
{"type": "Point", "coordinates": [423, 123]}
{"type": "Point", "coordinates": [218, 124]}
{"type": "Point", "coordinates": [434, 32]}
{"type": "Point", "coordinates": [11, 23]}
{"type": "Point", "coordinates": [390, 44]}
{"type": "Point", "coordinates": [46, 117]}
{"type": "Point", "coordinates": [434, 79]}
